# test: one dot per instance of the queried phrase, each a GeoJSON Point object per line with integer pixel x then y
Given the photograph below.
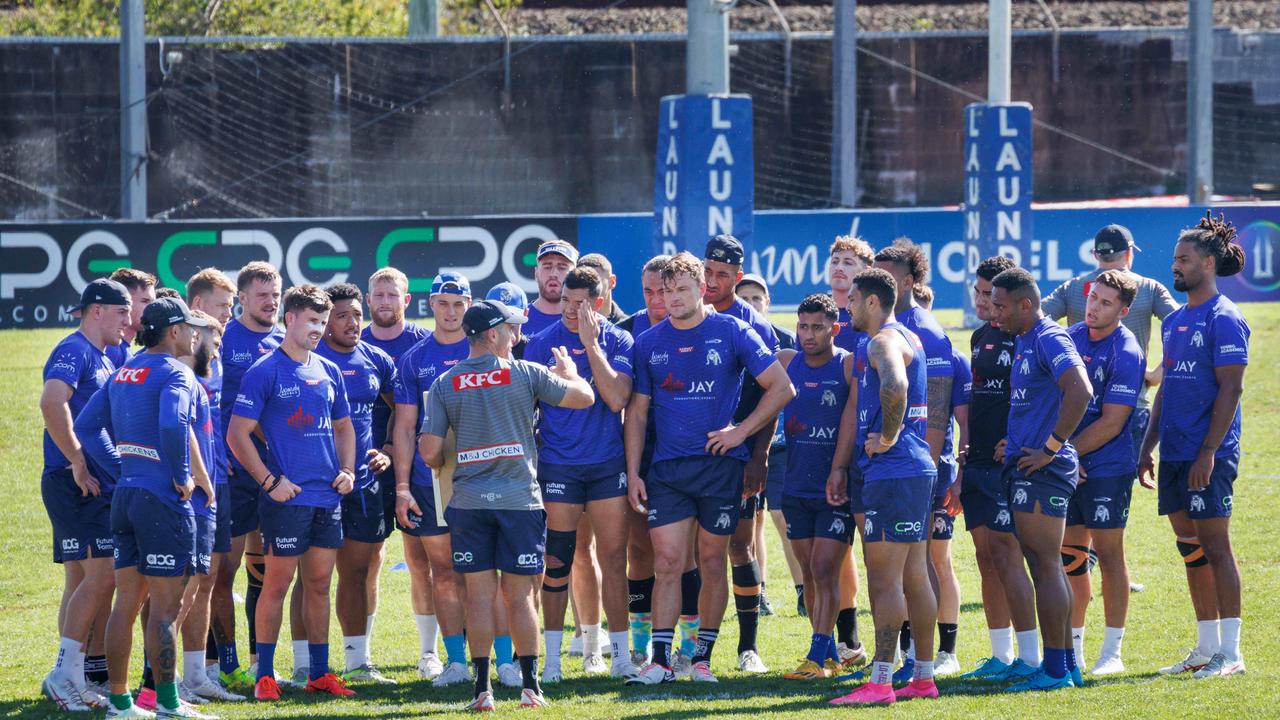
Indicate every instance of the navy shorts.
{"type": "Point", "coordinates": [1213, 501]}
{"type": "Point", "coordinates": [944, 524]}
{"type": "Point", "coordinates": [222, 533]}
{"type": "Point", "coordinates": [751, 506]}
{"type": "Point", "coordinates": [705, 487]}
{"type": "Point", "coordinates": [81, 525]}
{"type": "Point", "coordinates": [1051, 488]}
{"type": "Point", "coordinates": [425, 496]}
{"type": "Point", "coordinates": [206, 530]}
{"type": "Point", "coordinates": [856, 506]}
{"type": "Point", "coordinates": [809, 518]}
{"type": "Point", "coordinates": [777, 479]}
{"type": "Point", "coordinates": [946, 477]}
{"type": "Point", "coordinates": [364, 517]}
{"type": "Point", "coordinates": [151, 535]}
{"type": "Point", "coordinates": [512, 541]}
{"type": "Point", "coordinates": [290, 530]}
{"type": "Point", "coordinates": [897, 510]}
{"type": "Point", "coordinates": [983, 499]}
{"type": "Point", "coordinates": [1101, 503]}
{"type": "Point", "coordinates": [245, 496]}
{"type": "Point", "coordinates": [581, 484]}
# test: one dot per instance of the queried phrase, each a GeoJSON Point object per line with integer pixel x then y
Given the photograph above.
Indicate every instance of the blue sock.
{"type": "Point", "coordinates": [455, 646]}
{"type": "Point", "coordinates": [832, 651]}
{"type": "Point", "coordinates": [228, 658]}
{"type": "Point", "coordinates": [1055, 662]}
{"type": "Point", "coordinates": [502, 653]}
{"type": "Point", "coordinates": [1071, 661]}
{"type": "Point", "coordinates": [319, 654]}
{"type": "Point", "coordinates": [818, 645]}
{"type": "Point", "coordinates": [266, 660]}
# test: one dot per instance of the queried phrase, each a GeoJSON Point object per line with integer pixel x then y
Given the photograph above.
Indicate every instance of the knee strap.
{"type": "Point", "coordinates": [1075, 559]}
{"type": "Point", "coordinates": [1192, 554]}
{"type": "Point", "coordinates": [561, 545]}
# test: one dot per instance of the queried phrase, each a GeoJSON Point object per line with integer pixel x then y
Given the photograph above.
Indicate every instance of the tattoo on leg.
{"type": "Point", "coordinates": [886, 642]}
{"type": "Point", "coordinates": [220, 634]}
{"type": "Point", "coordinates": [166, 660]}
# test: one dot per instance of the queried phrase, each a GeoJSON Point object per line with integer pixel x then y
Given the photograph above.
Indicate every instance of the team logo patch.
{"type": "Point", "coordinates": [490, 453]}
{"type": "Point", "coordinates": [492, 378]}
{"type": "Point", "coordinates": [132, 376]}
{"type": "Point", "coordinates": [142, 451]}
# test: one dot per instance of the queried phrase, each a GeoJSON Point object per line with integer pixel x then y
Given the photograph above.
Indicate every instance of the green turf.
{"type": "Point", "coordinates": [1160, 624]}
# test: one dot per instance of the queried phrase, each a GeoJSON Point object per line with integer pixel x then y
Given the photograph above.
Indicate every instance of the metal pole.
{"type": "Point", "coordinates": [707, 48]}
{"type": "Point", "coordinates": [844, 92]}
{"type": "Point", "coordinates": [1200, 102]}
{"type": "Point", "coordinates": [999, 53]}
{"type": "Point", "coordinates": [133, 112]}
{"type": "Point", "coordinates": [424, 18]}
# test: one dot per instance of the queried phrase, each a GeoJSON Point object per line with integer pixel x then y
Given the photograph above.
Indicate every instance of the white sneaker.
{"type": "Point", "coordinates": [682, 667]}
{"type": "Point", "coordinates": [453, 674]}
{"type": "Point", "coordinates": [301, 676]}
{"type": "Point", "coordinates": [532, 699]}
{"type": "Point", "coordinates": [551, 673]}
{"type": "Point", "coordinates": [482, 703]}
{"type": "Point", "coordinates": [1220, 666]}
{"type": "Point", "coordinates": [509, 675]}
{"type": "Point", "coordinates": [90, 696]}
{"type": "Point", "coordinates": [748, 661]}
{"type": "Point", "coordinates": [133, 713]}
{"type": "Point", "coordinates": [98, 689]}
{"type": "Point", "coordinates": [639, 658]}
{"type": "Point", "coordinates": [213, 673]}
{"type": "Point", "coordinates": [183, 711]}
{"type": "Point", "coordinates": [652, 674]}
{"type": "Point", "coordinates": [63, 692]}
{"type": "Point", "coordinates": [606, 647]}
{"type": "Point", "coordinates": [208, 690]}
{"type": "Point", "coordinates": [945, 663]}
{"type": "Point", "coordinates": [188, 697]}
{"type": "Point", "coordinates": [1109, 665]}
{"type": "Point", "coordinates": [1191, 663]}
{"type": "Point", "coordinates": [593, 664]}
{"type": "Point", "coordinates": [575, 646]}
{"type": "Point", "coordinates": [623, 668]}
{"type": "Point", "coordinates": [429, 666]}
{"type": "Point", "coordinates": [281, 680]}
{"type": "Point", "coordinates": [852, 657]}
{"type": "Point", "coordinates": [702, 672]}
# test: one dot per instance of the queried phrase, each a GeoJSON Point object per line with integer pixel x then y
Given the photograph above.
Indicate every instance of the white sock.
{"type": "Point", "coordinates": [355, 649]}
{"type": "Point", "coordinates": [368, 639]}
{"type": "Point", "coordinates": [911, 649]}
{"type": "Point", "coordinates": [428, 633]}
{"type": "Point", "coordinates": [301, 655]}
{"type": "Point", "coordinates": [67, 651]}
{"type": "Point", "coordinates": [552, 639]}
{"type": "Point", "coordinates": [1002, 644]}
{"type": "Point", "coordinates": [1208, 631]}
{"type": "Point", "coordinates": [1077, 644]}
{"type": "Point", "coordinates": [77, 670]}
{"type": "Point", "coordinates": [923, 671]}
{"type": "Point", "coordinates": [193, 667]}
{"type": "Point", "coordinates": [619, 646]}
{"type": "Point", "coordinates": [882, 673]}
{"type": "Point", "coordinates": [1111, 640]}
{"type": "Point", "coordinates": [1230, 645]}
{"type": "Point", "coordinates": [1029, 647]}
{"type": "Point", "coordinates": [590, 639]}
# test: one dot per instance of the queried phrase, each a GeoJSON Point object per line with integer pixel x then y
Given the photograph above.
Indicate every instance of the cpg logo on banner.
{"type": "Point", "coordinates": [997, 188]}
{"type": "Point", "coordinates": [705, 179]}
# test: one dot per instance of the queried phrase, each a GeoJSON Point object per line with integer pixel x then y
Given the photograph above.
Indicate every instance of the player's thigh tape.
{"type": "Point", "coordinates": [1192, 554]}
{"type": "Point", "coordinates": [1078, 559]}
{"type": "Point", "coordinates": [561, 544]}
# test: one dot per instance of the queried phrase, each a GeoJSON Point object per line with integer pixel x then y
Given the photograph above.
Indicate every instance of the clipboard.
{"type": "Point", "coordinates": [442, 481]}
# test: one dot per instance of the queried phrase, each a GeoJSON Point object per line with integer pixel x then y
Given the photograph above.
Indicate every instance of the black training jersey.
{"type": "Point", "coordinates": [992, 359]}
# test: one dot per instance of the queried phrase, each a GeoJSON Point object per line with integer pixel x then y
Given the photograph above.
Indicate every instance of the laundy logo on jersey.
{"type": "Point", "coordinates": [491, 378]}
{"type": "Point", "coordinates": [132, 376]}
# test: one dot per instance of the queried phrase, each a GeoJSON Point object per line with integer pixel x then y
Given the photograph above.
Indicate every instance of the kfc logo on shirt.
{"type": "Point", "coordinates": [133, 376]}
{"type": "Point", "coordinates": [492, 378]}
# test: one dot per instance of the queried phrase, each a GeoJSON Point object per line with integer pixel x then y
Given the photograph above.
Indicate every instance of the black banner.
{"type": "Point", "coordinates": [45, 266]}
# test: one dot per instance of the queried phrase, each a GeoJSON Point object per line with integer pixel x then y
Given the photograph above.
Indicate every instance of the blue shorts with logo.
{"type": "Point", "coordinates": [151, 535]}
{"type": "Point", "coordinates": [246, 494]}
{"type": "Point", "coordinates": [581, 484]}
{"type": "Point", "coordinates": [81, 525]}
{"type": "Point", "coordinates": [291, 530]}
{"type": "Point", "coordinates": [364, 517]}
{"type": "Point", "coordinates": [944, 523]}
{"type": "Point", "coordinates": [776, 480]}
{"type": "Point", "coordinates": [206, 530]}
{"type": "Point", "coordinates": [426, 523]}
{"type": "Point", "coordinates": [809, 518]}
{"type": "Point", "coordinates": [1213, 501]}
{"type": "Point", "coordinates": [512, 541]}
{"type": "Point", "coordinates": [856, 506]}
{"type": "Point", "coordinates": [897, 510]}
{"type": "Point", "coordinates": [705, 487]}
{"type": "Point", "coordinates": [222, 533]}
{"type": "Point", "coordinates": [1101, 503]}
{"type": "Point", "coordinates": [983, 499]}
{"type": "Point", "coordinates": [1050, 488]}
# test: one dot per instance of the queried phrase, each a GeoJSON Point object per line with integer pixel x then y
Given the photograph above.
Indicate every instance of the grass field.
{"type": "Point", "coordinates": [1160, 624]}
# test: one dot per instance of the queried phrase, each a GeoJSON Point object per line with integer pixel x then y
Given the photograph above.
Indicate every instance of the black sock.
{"type": "Point", "coordinates": [640, 595]}
{"type": "Point", "coordinates": [706, 643]}
{"type": "Point", "coordinates": [800, 592]}
{"type": "Point", "coordinates": [662, 646]}
{"type": "Point", "coordinates": [904, 637]}
{"type": "Point", "coordinates": [210, 645]}
{"type": "Point", "coordinates": [255, 567]}
{"type": "Point", "coordinates": [481, 664]}
{"type": "Point", "coordinates": [947, 637]}
{"type": "Point", "coordinates": [529, 671]}
{"type": "Point", "coordinates": [847, 628]}
{"type": "Point", "coordinates": [690, 589]}
{"type": "Point", "coordinates": [746, 598]}
{"type": "Point", "coordinates": [95, 668]}
{"type": "Point", "coordinates": [148, 677]}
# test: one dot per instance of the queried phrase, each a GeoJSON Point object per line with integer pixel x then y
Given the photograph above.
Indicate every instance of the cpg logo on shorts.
{"type": "Point", "coordinates": [527, 560]}
{"type": "Point", "coordinates": [156, 561]}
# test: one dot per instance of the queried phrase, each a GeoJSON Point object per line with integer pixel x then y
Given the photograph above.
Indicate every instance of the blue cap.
{"type": "Point", "coordinates": [509, 294]}
{"type": "Point", "coordinates": [451, 283]}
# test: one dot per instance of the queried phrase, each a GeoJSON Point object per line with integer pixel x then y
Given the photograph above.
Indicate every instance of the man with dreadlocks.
{"type": "Point", "coordinates": [1196, 420]}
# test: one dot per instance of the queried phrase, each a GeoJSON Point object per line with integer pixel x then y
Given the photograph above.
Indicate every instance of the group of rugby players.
{"type": "Point", "coordinates": [297, 450]}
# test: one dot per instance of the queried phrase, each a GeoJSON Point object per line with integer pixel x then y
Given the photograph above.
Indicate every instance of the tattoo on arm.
{"type": "Point", "coordinates": [886, 358]}
{"type": "Point", "coordinates": [939, 403]}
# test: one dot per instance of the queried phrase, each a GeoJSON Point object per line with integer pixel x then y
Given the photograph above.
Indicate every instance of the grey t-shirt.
{"type": "Point", "coordinates": [489, 402]}
{"type": "Point", "coordinates": [1152, 300]}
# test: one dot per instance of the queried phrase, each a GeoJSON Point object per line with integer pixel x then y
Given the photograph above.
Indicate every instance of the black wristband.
{"type": "Point", "coordinates": [1054, 435]}
{"type": "Point", "coordinates": [274, 485]}
{"type": "Point", "coordinates": [1048, 452]}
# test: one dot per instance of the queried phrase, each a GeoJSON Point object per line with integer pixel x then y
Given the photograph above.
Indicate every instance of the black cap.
{"type": "Point", "coordinates": [489, 314]}
{"type": "Point", "coordinates": [1113, 239]}
{"type": "Point", "coordinates": [103, 291]}
{"type": "Point", "coordinates": [165, 312]}
{"type": "Point", "coordinates": [725, 249]}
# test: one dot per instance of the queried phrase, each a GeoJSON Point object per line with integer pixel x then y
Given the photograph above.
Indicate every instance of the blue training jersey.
{"type": "Point", "coordinates": [296, 404]}
{"type": "Point", "coordinates": [394, 348]}
{"type": "Point", "coordinates": [538, 321]}
{"type": "Point", "coordinates": [84, 368]}
{"type": "Point", "coordinates": [207, 441]}
{"type": "Point", "coordinates": [848, 337]}
{"type": "Point", "coordinates": [1040, 356]}
{"type": "Point", "coordinates": [813, 422]}
{"type": "Point", "coordinates": [934, 340]}
{"type": "Point", "coordinates": [909, 456]}
{"type": "Point", "coordinates": [367, 374]}
{"type": "Point", "coordinates": [212, 386]}
{"type": "Point", "coordinates": [241, 348]}
{"type": "Point", "coordinates": [416, 370]}
{"type": "Point", "coordinates": [1197, 340]}
{"type": "Point", "coordinates": [1115, 367]}
{"type": "Point", "coordinates": [961, 391]}
{"type": "Point", "coordinates": [694, 378]}
{"type": "Point", "coordinates": [592, 435]}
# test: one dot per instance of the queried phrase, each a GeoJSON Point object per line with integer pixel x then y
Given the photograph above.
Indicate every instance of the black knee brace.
{"type": "Point", "coordinates": [746, 587]}
{"type": "Point", "coordinates": [690, 589]}
{"type": "Point", "coordinates": [1078, 559]}
{"type": "Point", "coordinates": [561, 545]}
{"type": "Point", "coordinates": [1192, 554]}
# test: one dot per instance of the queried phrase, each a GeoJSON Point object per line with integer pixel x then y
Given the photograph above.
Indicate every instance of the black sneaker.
{"type": "Point", "coordinates": [765, 607]}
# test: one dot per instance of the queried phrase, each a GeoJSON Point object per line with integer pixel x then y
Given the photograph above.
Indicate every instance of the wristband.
{"type": "Point", "coordinates": [266, 480]}
{"type": "Point", "coordinates": [1048, 452]}
{"type": "Point", "coordinates": [347, 470]}
{"type": "Point", "coordinates": [1053, 444]}
{"type": "Point", "coordinates": [1060, 440]}
{"type": "Point", "coordinates": [275, 484]}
